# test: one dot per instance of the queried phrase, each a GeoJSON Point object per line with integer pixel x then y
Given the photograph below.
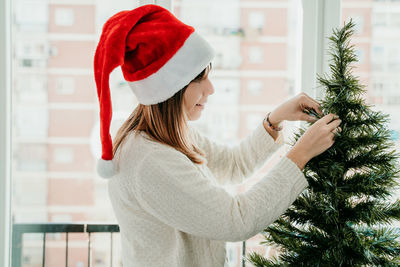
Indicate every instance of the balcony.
{"type": "Point", "coordinates": [21, 229]}
{"type": "Point", "coordinates": [89, 230]}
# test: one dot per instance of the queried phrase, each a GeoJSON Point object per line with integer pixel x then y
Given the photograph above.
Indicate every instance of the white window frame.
{"type": "Point", "coordinates": [319, 17]}
{"type": "Point", "coordinates": [5, 131]}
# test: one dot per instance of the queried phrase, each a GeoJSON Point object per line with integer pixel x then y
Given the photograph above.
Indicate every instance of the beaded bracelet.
{"type": "Point", "coordinates": [274, 128]}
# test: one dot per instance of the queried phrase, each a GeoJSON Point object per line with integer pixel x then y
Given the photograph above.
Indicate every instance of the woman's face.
{"type": "Point", "coordinates": [195, 97]}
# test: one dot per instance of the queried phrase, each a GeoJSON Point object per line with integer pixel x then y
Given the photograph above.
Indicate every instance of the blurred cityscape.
{"type": "Point", "coordinates": [257, 67]}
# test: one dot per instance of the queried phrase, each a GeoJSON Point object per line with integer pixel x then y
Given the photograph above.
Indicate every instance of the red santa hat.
{"type": "Point", "coordinates": [158, 55]}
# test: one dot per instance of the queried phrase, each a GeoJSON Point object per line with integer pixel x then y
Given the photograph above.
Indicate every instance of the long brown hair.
{"type": "Point", "coordinates": [165, 122]}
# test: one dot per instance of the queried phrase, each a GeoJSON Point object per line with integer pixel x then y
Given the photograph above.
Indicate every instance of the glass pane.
{"type": "Point", "coordinates": [255, 69]}
{"type": "Point", "coordinates": [378, 48]}
{"type": "Point", "coordinates": [55, 132]}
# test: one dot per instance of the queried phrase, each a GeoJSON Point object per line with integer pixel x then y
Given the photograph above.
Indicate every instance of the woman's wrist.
{"type": "Point", "coordinates": [274, 134]}
{"type": "Point", "coordinates": [298, 156]}
{"type": "Point", "coordinates": [272, 125]}
{"type": "Point", "coordinates": [274, 119]}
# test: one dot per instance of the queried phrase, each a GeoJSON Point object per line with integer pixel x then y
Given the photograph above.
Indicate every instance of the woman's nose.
{"type": "Point", "coordinates": [211, 89]}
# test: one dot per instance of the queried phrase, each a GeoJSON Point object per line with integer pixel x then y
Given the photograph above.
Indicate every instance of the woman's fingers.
{"type": "Point", "coordinates": [311, 103]}
{"type": "Point", "coordinates": [328, 118]}
{"type": "Point", "coordinates": [336, 130]}
{"type": "Point", "coordinates": [334, 133]}
{"type": "Point", "coordinates": [334, 124]}
{"type": "Point", "coordinates": [308, 118]}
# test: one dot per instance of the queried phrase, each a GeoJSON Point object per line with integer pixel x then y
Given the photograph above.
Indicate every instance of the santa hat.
{"type": "Point", "coordinates": [158, 55]}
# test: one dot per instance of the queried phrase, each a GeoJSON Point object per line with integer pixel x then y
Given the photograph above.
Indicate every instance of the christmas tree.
{"type": "Point", "coordinates": [344, 216]}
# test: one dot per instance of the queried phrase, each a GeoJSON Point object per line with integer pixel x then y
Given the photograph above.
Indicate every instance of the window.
{"type": "Point", "coordinates": [64, 17]}
{"type": "Point", "coordinates": [63, 155]}
{"type": "Point", "coordinates": [378, 57]}
{"type": "Point", "coordinates": [31, 15]}
{"type": "Point", "coordinates": [55, 111]}
{"type": "Point", "coordinates": [359, 52]}
{"type": "Point", "coordinates": [31, 122]}
{"type": "Point", "coordinates": [65, 85]}
{"type": "Point", "coordinates": [30, 158]}
{"type": "Point", "coordinates": [31, 90]}
{"type": "Point", "coordinates": [359, 23]}
{"type": "Point", "coordinates": [255, 55]}
{"type": "Point", "coordinates": [256, 20]}
{"type": "Point", "coordinates": [255, 87]}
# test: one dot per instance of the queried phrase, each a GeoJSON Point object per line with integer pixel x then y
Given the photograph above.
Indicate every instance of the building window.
{"type": "Point", "coordinates": [65, 85]}
{"type": "Point", "coordinates": [255, 87]}
{"type": "Point", "coordinates": [31, 89]}
{"type": "Point", "coordinates": [359, 52]}
{"type": "Point", "coordinates": [359, 23]}
{"type": "Point", "coordinates": [257, 20]}
{"type": "Point", "coordinates": [228, 91]}
{"type": "Point", "coordinates": [64, 155]}
{"type": "Point", "coordinates": [256, 55]}
{"type": "Point", "coordinates": [31, 157]}
{"type": "Point", "coordinates": [31, 122]}
{"type": "Point", "coordinates": [64, 17]}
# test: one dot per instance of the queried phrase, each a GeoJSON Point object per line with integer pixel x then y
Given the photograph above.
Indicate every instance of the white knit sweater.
{"type": "Point", "coordinates": [172, 212]}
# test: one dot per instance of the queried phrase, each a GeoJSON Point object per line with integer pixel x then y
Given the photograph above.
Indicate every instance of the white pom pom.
{"type": "Point", "coordinates": [105, 168]}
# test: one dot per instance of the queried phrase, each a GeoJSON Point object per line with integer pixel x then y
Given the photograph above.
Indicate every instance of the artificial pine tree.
{"type": "Point", "coordinates": [343, 218]}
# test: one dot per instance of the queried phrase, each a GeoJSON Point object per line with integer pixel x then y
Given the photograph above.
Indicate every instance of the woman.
{"type": "Point", "coordinates": [166, 178]}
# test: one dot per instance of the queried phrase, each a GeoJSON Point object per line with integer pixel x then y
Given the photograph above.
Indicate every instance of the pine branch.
{"type": "Point", "coordinates": [381, 243]}
{"type": "Point", "coordinates": [259, 261]}
{"type": "Point", "coordinates": [371, 183]}
{"type": "Point", "coordinates": [371, 211]}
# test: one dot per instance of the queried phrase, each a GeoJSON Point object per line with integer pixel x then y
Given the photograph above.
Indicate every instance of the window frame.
{"type": "Point", "coordinates": [5, 131]}
{"type": "Point", "coordinates": [319, 18]}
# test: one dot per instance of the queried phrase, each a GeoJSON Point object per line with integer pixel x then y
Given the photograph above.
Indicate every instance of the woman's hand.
{"type": "Point", "coordinates": [318, 138]}
{"type": "Point", "coordinates": [292, 110]}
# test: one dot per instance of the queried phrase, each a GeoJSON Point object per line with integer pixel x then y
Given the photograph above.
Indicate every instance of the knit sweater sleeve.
{"type": "Point", "coordinates": [233, 164]}
{"type": "Point", "coordinates": [171, 188]}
